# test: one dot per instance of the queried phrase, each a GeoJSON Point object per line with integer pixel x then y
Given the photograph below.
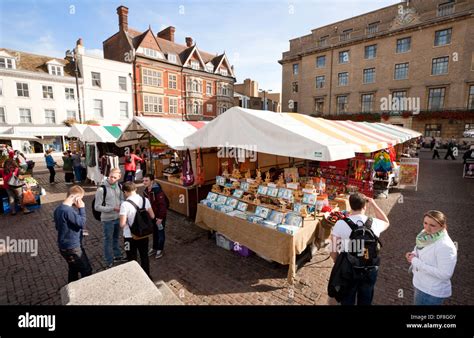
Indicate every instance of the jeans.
{"type": "Point", "coordinates": [435, 154]}
{"type": "Point", "coordinates": [159, 236]}
{"type": "Point", "coordinates": [129, 176]}
{"type": "Point", "coordinates": [69, 177]}
{"type": "Point", "coordinates": [78, 263]}
{"type": "Point", "coordinates": [421, 298]}
{"type": "Point", "coordinates": [140, 245]}
{"type": "Point", "coordinates": [52, 173]}
{"type": "Point", "coordinates": [111, 241]}
{"type": "Point", "coordinates": [77, 173]}
{"type": "Point", "coordinates": [363, 288]}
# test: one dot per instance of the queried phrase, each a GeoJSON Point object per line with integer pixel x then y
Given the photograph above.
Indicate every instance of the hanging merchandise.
{"type": "Point", "coordinates": [90, 155]}
{"type": "Point", "coordinates": [382, 162]}
{"type": "Point", "coordinates": [200, 169]}
{"type": "Point", "coordinates": [188, 175]}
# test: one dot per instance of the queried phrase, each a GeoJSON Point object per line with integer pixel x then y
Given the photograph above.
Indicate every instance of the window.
{"type": "Point", "coordinates": [195, 64]}
{"type": "Point", "coordinates": [95, 79]}
{"type": "Point", "coordinates": [196, 108]}
{"type": "Point", "coordinates": [71, 114]}
{"type": "Point", "coordinates": [209, 108]}
{"type": "Point", "coordinates": [48, 92]}
{"type": "Point", "coordinates": [367, 102]}
{"type": "Point", "coordinates": [294, 87]}
{"type": "Point", "coordinates": [3, 118]}
{"type": "Point", "coordinates": [373, 28]}
{"type": "Point", "coordinates": [321, 61]}
{"type": "Point", "coordinates": [341, 104]}
{"type": "Point", "coordinates": [433, 130]}
{"type": "Point", "coordinates": [210, 68]}
{"type": "Point", "coordinates": [399, 94]}
{"type": "Point", "coordinates": [468, 126]}
{"type": "Point", "coordinates": [172, 81]}
{"type": "Point", "coordinates": [172, 58]}
{"type": "Point", "coordinates": [7, 63]}
{"type": "Point", "coordinates": [345, 35]}
{"type": "Point", "coordinates": [55, 70]}
{"type": "Point", "coordinates": [446, 9]}
{"type": "Point", "coordinates": [295, 69]}
{"type": "Point", "coordinates": [323, 41]}
{"type": "Point", "coordinates": [223, 71]}
{"type": "Point", "coordinates": [49, 116]}
{"type": "Point", "coordinates": [123, 109]}
{"type": "Point", "coordinates": [344, 56]}
{"type": "Point", "coordinates": [295, 107]}
{"type": "Point", "coordinates": [343, 79]}
{"type": "Point", "coordinates": [173, 105]}
{"type": "Point", "coordinates": [22, 89]}
{"type": "Point", "coordinates": [403, 45]}
{"type": "Point", "coordinates": [436, 98]}
{"type": "Point", "coordinates": [195, 86]}
{"type": "Point", "coordinates": [98, 109]}
{"type": "Point", "coordinates": [209, 88]}
{"type": "Point", "coordinates": [319, 81]}
{"type": "Point", "coordinates": [69, 93]}
{"type": "Point", "coordinates": [370, 51]}
{"type": "Point", "coordinates": [470, 101]}
{"type": "Point", "coordinates": [221, 110]}
{"type": "Point", "coordinates": [440, 66]}
{"type": "Point", "coordinates": [152, 53]}
{"type": "Point", "coordinates": [318, 105]}
{"type": "Point", "coordinates": [153, 104]}
{"type": "Point", "coordinates": [152, 78]}
{"type": "Point", "coordinates": [25, 115]}
{"type": "Point", "coordinates": [122, 83]}
{"type": "Point", "coordinates": [225, 90]}
{"type": "Point", "coordinates": [401, 71]}
{"type": "Point", "coordinates": [369, 75]}
{"type": "Point", "coordinates": [443, 37]}
{"type": "Point", "coordinates": [1, 87]}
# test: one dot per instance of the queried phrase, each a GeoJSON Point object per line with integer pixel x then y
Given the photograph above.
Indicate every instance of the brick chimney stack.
{"type": "Point", "coordinates": [122, 12]}
{"type": "Point", "coordinates": [167, 33]}
{"type": "Point", "coordinates": [189, 41]}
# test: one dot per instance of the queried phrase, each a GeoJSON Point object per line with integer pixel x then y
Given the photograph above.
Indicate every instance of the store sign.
{"type": "Point", "coordinates": [409, 169]}
{"type": "Point", "coordinates": [318, 154]}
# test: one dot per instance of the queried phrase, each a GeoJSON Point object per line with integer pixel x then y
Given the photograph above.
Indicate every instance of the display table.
{"type": "Point", "coordinates": [270, 243]}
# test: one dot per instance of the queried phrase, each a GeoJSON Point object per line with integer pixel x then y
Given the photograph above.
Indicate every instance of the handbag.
{"type": "Point", "coordinates": [188, 175]}
{"type": "Point", "coordinates": [15, 182]}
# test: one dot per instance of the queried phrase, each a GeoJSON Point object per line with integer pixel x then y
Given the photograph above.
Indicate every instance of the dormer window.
{"type": "Point", "coordinates": [7, 63]}
{"type": "Point", "coordinates": [55, 70]}
{"type": "Point", "coordinates": [223, 71]}
{"type": "Point", "coordinates": [195, 64]}
{"type": "Point", "coordinates": [172, 58]}
{"type": "Point", "coordinates": [153, 53]}
{"type": "Point", "coordinates": [210, 68]}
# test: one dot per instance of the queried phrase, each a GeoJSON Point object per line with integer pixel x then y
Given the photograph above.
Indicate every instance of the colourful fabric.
{"type": "Point", "coordinates": [423, 239]}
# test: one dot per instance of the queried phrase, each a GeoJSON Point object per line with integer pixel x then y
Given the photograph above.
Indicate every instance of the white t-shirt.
{"type": "Point", "coordinates": [343, 230]}
{"type": "Point", "coordinates": [129, 210]}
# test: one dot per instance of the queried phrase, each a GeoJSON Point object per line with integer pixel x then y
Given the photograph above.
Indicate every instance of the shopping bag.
{"type": "Point", "coordinates": [15, 182]}
{"type": "Point", "coordinates": [29, 197]}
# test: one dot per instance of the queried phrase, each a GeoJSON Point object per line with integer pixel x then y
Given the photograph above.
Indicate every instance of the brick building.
{"type": "Point", "coordinates": [247, 95]}
{"type": "Point", "coordinates": [171, 79]}
{"type": "Point", "coordinates": [416, 54]}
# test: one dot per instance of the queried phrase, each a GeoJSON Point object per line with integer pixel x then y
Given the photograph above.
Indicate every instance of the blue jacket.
{"type": "Point", "coordinates": [50, 161]}
{"type": "Point", "coordinates": [69, 224]}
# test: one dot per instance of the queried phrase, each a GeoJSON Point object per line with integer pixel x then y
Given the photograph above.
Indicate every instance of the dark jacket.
{"type": "Point", "coordinates": [158, 200]}
{"type": "Point", "coordinates": [69, 224]}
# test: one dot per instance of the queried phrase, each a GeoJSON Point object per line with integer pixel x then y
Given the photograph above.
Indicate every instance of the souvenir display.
{"type": "Point", "coordinates": [309, 199]}
{"type": "Point", "coordinates": [211, 196]}
{"type": "Point", "coordinates": [244, 186]}
{"type": "Point", "coordinates": [242, 206]}
{"type": "Point", "coordinates": [262, 190]}
{"type": "Point", "coordinates": [236, 174]}
{"type": "Point", "coordinates": [226, 191]}
{"type": "Point", "coordinates": [292, 218]}
{"type": "Point", "coordinates": [232, 202]}
{"type": "Point", "coordinates": [288, 229]}
{"type": "Point", "coordinates": [272, 192]}
{"type": "Point", "coordinates": [221, 199]}
{"type": "Point", "coordinates": [262, 212]}
{"type": "Point", "coordinates": [254, 219]}
{"type": "Point", "coordinates": [220, 180]}
{"type": "Point", "coordinates": [238, 193]}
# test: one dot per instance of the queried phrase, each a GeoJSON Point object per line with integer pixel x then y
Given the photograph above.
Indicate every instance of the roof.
{"type": "Point", "coordinates": [38, 63]}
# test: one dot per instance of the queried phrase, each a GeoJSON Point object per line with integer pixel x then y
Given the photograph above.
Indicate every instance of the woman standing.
{"type": "Point", "coordinates": [432, 261]}
{"type": "Point", "coordinates": [15, 194]}
{"type": "Point", "coordinates": [68, 167]}
{"type": "Point", "coordinates": [50, 163]}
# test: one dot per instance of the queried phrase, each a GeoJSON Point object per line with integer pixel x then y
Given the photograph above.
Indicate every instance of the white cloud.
{"type": "Point", "coordinates": [95, 52]}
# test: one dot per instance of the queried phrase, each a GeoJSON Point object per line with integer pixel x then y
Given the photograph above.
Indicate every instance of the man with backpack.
{"type": "Point", "coordinates": [107, 202]}
{"type": "Point", "coordinates": [356, 240]}
{"type": "Point", "coordinates": [137, 221]}
{"type": "Point", "coordinates": [159, 203]}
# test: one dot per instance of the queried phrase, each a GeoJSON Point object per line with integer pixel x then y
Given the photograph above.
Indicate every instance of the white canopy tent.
{"type": "Point", "coordinates": [77, 130]}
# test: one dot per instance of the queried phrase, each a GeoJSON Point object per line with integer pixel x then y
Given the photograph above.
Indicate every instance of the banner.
{"type": "Point", "coordinates": [409, 169]}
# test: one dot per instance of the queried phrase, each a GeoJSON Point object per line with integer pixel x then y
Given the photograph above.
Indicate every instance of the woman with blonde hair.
{"type": "Point", "coordinates": [432, 261]}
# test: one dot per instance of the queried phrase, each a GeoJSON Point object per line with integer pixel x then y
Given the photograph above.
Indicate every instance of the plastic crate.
{"type": "Point", "coordinates": [223, 242]}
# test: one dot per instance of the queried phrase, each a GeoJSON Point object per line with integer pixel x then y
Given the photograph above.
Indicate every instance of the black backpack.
{"type": "Point", "coordinates": [142, 224]}
{"type": "Point", "coordinates": [96, 213]}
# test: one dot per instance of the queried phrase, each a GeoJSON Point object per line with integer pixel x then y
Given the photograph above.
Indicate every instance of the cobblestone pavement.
{"type": "Point", "coordinates": [199, 272]}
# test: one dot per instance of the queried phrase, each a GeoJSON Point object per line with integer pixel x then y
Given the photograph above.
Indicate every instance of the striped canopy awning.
{"type": "Point", "coordinates": [105, 134]}
{"type": "Point", "coordinates": [297, 135]}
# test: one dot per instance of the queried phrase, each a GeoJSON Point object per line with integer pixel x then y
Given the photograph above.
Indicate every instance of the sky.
{"type": "Point", "coordinates": [252, 33]}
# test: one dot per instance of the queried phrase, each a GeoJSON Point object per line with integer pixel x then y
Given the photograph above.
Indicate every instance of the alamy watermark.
{"type": "Point", "coordinates": [8, 245]}
{"type": "Point", "coordinates": [239, 152]}
{"type": "Point", "coordinates": [392, 103]}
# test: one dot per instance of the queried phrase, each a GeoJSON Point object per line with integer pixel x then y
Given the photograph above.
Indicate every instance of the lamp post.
{"type": "Point", "coordinates": [73, 57]}
{"type": "Point", "coordinates": [264, 97]}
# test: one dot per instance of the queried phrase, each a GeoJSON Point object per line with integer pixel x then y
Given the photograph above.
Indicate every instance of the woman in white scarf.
{"type": "Point", "coordinates": [432, 261]}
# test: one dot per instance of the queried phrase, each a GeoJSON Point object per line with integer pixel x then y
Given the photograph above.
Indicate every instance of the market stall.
{"type": "Point", "coordinates": [166, 157]}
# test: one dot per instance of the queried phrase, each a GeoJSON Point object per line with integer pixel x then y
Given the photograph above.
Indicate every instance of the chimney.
{"type": "Point", "coordinates": [122, 12]}
{"type": "Point", "coordinates": [79, 47]}
{"type": "Point", "coordinates": [189, 41]}
{"type": "Point", "coordinates": [167, 33]}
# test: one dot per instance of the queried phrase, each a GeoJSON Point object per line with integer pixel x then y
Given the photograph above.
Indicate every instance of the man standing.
{"type": "Point", "coordinates": [450, 152]}
{"type": "Point", "coordinates": [362, 287]}
{"type": "Point", "coordinates": [159, 204]}
{"type": "Point", "coordinates": [109, 217]}
{"type": "Point", "coordinates": [69, 224]}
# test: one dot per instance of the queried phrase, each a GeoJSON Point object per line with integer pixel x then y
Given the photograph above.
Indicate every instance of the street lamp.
{"type": "Point", "coordinates": [72, 56]}
{"type": "Point", "coordinates": [264, 97]}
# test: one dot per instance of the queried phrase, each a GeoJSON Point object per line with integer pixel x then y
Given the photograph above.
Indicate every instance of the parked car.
{"type": "Point", "coordinates": [469, 133]}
